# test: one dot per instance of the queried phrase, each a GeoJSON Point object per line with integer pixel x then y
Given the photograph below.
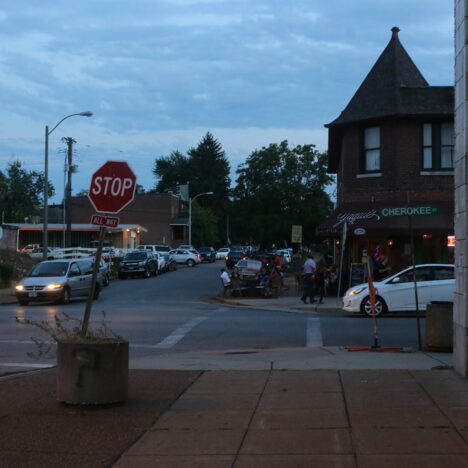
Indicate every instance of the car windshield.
{"type": "Point", "coordinates": [162, 248]}
{"type": "Point", "coordinates": [204, 249]}
{"type": "Point", "coordinates": [50, 269]}
{"type": "Point", "coordinates": [135, 256]}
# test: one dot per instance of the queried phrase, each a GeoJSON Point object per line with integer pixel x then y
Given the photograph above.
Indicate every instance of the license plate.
{"type": "Point", "coordinates": [32, 294]}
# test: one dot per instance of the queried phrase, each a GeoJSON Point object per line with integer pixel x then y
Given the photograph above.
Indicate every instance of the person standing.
{"type": "Point", "coordinates": [226, 279]}
{"type": "Point", "coordinates": [308, 277]}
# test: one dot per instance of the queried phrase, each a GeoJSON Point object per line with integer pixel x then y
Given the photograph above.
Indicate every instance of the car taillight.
{"type": "Point", "coordinates": [198, 256]}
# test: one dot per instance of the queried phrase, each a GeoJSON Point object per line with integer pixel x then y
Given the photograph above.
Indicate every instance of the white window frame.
{"type": "Point", "coordinates": [372, 149]}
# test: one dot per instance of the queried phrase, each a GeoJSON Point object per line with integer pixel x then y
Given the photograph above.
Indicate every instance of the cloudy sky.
{"type": "Point", "coordinates": [159, 74]}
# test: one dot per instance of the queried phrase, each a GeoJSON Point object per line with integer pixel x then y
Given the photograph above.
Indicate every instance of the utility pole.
{"type": "Point", "coordinates": [68, 190]}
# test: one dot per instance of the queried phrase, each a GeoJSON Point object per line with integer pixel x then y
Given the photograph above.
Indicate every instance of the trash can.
{"type": "Point", "coordinates": [439, 326]}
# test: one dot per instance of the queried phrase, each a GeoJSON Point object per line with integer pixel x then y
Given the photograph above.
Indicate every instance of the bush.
{"type": "Point", "coordinates": [6, 274]}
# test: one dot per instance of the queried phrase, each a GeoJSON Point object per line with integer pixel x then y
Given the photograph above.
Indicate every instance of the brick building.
{"type": "Point", "coordinates": [151, 218]}
{"type": "Point", "coordinates": [392, 150]}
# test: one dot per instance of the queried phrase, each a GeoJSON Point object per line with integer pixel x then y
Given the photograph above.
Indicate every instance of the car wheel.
{"type": "Point", "coordinates": [22, 302]}
{"type": "Point", "coordinates": [97, 291]}
{"type": "Point", "coordinates": [147, 273]}
{"type": "Point", "coordinates": [106, 280]}
{"type": "Point", "coordinates": [65, 296]}
{"type": "Point", "coordinates": [380, 306]}
{"type": "Point", "coordinates": [190, 262]}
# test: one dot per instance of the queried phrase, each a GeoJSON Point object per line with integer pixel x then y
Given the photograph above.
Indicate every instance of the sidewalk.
{"type": "Point", "coordinates": [331, 418]}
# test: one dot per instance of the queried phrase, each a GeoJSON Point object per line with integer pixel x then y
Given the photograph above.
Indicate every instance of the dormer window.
{"type": "Point", "coordinates": [372, 149]}
{"type": "Point", "coordinates": [438, 146]}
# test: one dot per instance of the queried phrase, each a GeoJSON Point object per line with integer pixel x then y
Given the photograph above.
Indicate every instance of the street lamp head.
{"type": "Point", "coordinates": [209, 193]}
{"type": "Point", "coordinates": [86, 114]}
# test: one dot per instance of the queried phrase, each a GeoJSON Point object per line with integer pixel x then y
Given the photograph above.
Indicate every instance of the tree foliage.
{"type": "Point", "coordinates": [278, 187]}
{"type": "Point", "coordinates": [21, 192]}
{"type": "Point", "coordinates": [205, 169]}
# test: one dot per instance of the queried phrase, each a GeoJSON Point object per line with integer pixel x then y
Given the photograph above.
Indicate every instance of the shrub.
{"type": "Point", "coordinates": [6, 274]}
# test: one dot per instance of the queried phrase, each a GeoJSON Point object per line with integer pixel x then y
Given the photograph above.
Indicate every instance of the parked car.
{"type": "Point", "coordinates": [435, 282]}
{"type": "Point", "coordinates": [138, 263]}
{"type": "Point", "coordinates": [104, 272]}
{"type": "Point", "coordinates": [186, 247]}
{"type": "Point", "coordinates": [208, 254]}
{"type": "Point", "coordinates": [58, 281]}
{"type": "Point", "coordinates": [222, 253]}
{"type": "Point", "coordinates": [52, 254]}
{"type": "Point", "coordinates": [185, 256]}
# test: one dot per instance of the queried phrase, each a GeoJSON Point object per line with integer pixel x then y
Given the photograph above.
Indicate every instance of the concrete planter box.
{"type": "Point", "coordinates": [439, 326]}
{"type": "Point", "coordinates": [94, 373]}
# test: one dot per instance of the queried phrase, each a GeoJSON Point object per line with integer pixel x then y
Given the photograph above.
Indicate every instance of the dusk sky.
{"type": "Point", "coordinates": [159, 74]}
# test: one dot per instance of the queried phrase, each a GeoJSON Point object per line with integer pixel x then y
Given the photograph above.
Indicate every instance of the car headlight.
{"type": "Point", "coordinates": [19, 287]}
{"type": "Point", "coordinates": [53, 286]}
{"type": "Point", "coordinates": [355, 291]}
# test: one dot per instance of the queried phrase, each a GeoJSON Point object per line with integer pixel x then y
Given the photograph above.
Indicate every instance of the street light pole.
{"type": "Point", "coordinates": [45, 240]}
{"type": "Point", "coordinates": [190, 214]}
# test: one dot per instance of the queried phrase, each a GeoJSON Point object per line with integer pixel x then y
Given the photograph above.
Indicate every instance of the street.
{"type": "Point", "coordinates": [175, 313]}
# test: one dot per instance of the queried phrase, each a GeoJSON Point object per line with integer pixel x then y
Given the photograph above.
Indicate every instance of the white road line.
{"type": "Point", "coordinates": [314, 333]}
{"type": "Point", "coordinates": [179, 333]}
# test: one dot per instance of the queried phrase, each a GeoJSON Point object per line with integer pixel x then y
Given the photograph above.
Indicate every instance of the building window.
{"type": "Point", "coordinates": [438, 145]}
{"type": "Point", "coordinates": [372, 149]}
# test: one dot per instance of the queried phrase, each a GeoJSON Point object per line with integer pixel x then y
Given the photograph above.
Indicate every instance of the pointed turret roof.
{"type": "Point", "coordinates": [383, 93]}
{"type": "Point", "coordinates": [393, 88]}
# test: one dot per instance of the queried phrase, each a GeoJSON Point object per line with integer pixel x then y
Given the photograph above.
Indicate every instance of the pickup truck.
{"type": "Point", "coordinates": [158, 255]}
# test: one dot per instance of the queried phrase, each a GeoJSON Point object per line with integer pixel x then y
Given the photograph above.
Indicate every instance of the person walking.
{"type": "Point", "coordinates": [308, 280]}
{"type": "Point", "coordinates": [320, 274]}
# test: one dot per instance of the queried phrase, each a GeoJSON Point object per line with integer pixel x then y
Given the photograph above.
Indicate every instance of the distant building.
{"type": "Point", "coordinates": [392, 150]}
{"type": "Point", "coordinates": [160, 214]}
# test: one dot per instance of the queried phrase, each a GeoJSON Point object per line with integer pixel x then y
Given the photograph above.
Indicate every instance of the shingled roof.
{"type": "Point", "coordinates": [395, 87]}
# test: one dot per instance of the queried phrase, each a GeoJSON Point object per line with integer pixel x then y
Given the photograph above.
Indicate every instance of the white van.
{"type": "Point", "coordinates": [58, 281]}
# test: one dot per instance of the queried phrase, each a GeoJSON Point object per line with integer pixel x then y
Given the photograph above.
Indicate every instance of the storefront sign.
{"type": "Point", "coordinates": [410, 211]}
{"type": "Point", "coordinates": [296, 234]}
{"type": "Point", "coordinates": [351, 218]}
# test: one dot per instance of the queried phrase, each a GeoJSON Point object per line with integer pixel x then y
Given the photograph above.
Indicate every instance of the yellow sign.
{"type": "Point", "coordinates": [296, 234]}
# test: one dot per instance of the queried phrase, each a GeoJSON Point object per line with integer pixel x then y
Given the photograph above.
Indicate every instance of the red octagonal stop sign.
{"type": "Point", "coordinates": [112, 187]}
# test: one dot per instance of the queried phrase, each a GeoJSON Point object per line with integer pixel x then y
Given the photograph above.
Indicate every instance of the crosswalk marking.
{"type": "Point", "coordinates": [179, 333]}
{"type": "Point", "coordinates": [314, 332]}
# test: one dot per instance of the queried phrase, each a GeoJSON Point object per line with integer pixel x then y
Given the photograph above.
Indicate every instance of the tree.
{"type": "Point", "coordinates": [172, 171]}
{"type": "Point", "coordinates": [205, 169]}
{"type": "Point", "coordinates": [21, 192]}
{"type": "Point", "coordinates": [278, 187]}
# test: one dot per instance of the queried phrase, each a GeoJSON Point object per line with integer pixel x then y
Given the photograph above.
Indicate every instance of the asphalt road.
{"type": "Point", "coordinates": [173, 313]}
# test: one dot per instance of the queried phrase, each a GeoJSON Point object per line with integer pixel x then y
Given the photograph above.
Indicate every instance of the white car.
{"type": "Point", "coordinates": [189, 257]}
{"type": "Point", "coordinates": [435, 282]}
{"type": "Point", "coordinates": [52, 253]}
{"type": "Point", "coordinates": [222, 253]}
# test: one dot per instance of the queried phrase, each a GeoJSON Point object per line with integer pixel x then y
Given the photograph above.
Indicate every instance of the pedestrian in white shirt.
{"type": "Point", "coordinates": [308, 280]}
{"type": "Point", "coordinates": [226, 279]}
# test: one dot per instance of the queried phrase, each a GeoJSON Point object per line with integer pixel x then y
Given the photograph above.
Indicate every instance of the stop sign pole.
{"type": "Point", "coordinates": [112, 188]}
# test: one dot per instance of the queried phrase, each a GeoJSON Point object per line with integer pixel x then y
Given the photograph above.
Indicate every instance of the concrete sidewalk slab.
{"type": "Point", "coordinates": [294, 359]}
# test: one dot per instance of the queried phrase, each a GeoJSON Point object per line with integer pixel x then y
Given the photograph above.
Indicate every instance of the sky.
{"type": "Point", "coordinates": [159, 74]}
